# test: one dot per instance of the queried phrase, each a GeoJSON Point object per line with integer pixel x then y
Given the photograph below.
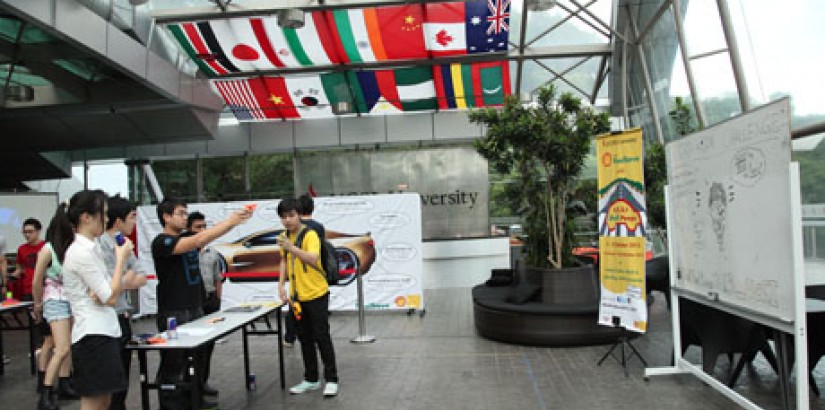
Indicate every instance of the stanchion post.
{"type": "Point", "coordinates": [362, 337]}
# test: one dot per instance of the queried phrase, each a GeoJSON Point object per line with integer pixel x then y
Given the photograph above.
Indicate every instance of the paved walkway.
{"type": "Point", "coordinates": [438, 362]}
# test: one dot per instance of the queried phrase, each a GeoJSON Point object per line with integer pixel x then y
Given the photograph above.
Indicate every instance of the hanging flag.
{"type": "Point", "coordinates": [471, 85]}
{"type": "Point", "coordinates": [445, 29]}
{"type": "Point", "coordinates": [379, 34]}
{"type": "Point", "coordinates": [253, 99]}
{"type": "Point", "coordinates": [311, 45]}
{"type": "Point", "coordinates": [488, 25]}
{"type": "Point", "coordinates": [226, 46]}
{"type": "Point", "coordinates": [275, 98]}
{"type": "Point", "coordinates": [387, 91]}
{"type": "Point", "coordinates": [313, 96]}
{"type": "Point", "coordinates": [467, 27]}
{"type": "Point", "coordinates": [198, 40]}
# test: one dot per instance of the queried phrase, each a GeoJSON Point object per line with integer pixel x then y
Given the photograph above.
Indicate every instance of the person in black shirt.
{"type": "Point", "coordinates": [306, 206]}
{"type": "Point", "coordinates": [180, 289]}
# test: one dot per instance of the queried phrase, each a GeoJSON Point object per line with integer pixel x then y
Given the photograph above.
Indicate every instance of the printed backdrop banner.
{"type": "Point", "coordinates": [377, 235]}
{"type": "Point", "coordinates": [622, 221]}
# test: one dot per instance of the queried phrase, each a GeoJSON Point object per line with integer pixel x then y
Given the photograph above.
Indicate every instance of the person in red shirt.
{"type": "Point", "coordinates": [27, 259]}
{"type": "Point", "coordinates": [26, 262]}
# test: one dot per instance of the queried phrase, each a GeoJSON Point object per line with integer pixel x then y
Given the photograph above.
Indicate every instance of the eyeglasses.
{"type": "Point", "coordinates": [181, 213]}
{"type": "Point", "coordinates": [198, 226]}
{"type": "Point", "coordinates": [25, 231]}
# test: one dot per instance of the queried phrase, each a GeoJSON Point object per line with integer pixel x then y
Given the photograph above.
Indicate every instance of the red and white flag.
{"type": "Point", "coordinates": [444, 29]}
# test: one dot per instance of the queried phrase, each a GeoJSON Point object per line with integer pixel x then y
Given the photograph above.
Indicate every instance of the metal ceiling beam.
{"type": "Point", "coordinates": [662, 9]}
{"type": "Point", "coordinates": [270, 7]}
{"type": "Point", "coordinates": [534, 53]}
{"type": "Point", "coordinates": [562, 21]}
{"type": "Point", "coordinates": [594, 17]}
{"type": "Point", "coordinates": [561, 75]}
{"type": "Point", "coordinates": [521, 47]}
{"type": "Point", "coordinates": [601, 75]}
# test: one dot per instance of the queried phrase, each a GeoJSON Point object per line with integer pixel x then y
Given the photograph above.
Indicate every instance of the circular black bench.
{"type": "Point", "coordinates": [552, 318]}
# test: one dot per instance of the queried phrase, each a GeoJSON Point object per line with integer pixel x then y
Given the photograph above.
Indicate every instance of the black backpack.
{"type": "Point", "coordinates": [329, 258]}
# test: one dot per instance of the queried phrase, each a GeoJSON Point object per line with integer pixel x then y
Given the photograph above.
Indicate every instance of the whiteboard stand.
{"type": "Point", "coordinates": [800, 316]}
{"type": "Point", "coordinates": [798, 326]}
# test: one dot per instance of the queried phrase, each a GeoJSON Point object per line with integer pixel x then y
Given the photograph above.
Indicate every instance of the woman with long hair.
{"type": "Point", "coordinates": [51, 304]}
{"type": "Point", "coordinates": [98, 371]}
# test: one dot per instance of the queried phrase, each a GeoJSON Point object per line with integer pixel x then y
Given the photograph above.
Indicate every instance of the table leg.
{"type": "Point", "coordinates": [32, 358]}
{"type": "Point", "coordinates": [2, 365]}
{"type": "Point", "coordinates": [194, 380]}
{"type": "Point", "coordinates": [144, 380]}
{"type": "Point", "coordinates": [280, 347]}
{"type": "Point", "coordinates": [246, 357]}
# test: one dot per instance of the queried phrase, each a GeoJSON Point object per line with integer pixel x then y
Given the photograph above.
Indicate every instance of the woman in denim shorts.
{"type": "Point", "coordinates": [52, 305]}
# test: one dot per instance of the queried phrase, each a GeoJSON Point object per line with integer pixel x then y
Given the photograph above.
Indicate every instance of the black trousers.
{"type": "Point", "coordinates": [119, 398]}
{"type": "Point", "coordinates": [173, 363]}
{"type": "Point", "coordinates": [313, 329]}
{"type": "Point", "coordinates": [210, 305]}
{"type": "Point", "coordinates": [290, 324]}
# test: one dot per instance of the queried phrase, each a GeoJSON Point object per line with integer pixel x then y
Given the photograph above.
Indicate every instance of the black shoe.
{"type": "Point", "coordinates": [65, 389]}
{"type": "Point", "coordinates": [208, 390]}
{"type": "Point", "coordinates": [209, 405]}
{"type": "Point", "coordinates": [48, 400]}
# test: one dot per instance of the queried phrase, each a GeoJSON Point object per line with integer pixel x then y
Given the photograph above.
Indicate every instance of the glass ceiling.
{"type": "Point", "coordinates": [380, 57]}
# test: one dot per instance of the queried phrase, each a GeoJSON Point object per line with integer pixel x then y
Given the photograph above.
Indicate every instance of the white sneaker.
{"type": "Point", "coordinates": [304, 387]}
{"type": "Point", "coordinates": [331, 389]}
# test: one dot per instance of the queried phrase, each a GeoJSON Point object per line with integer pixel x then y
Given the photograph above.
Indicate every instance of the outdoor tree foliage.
{"type": "Point", "coordinates": [544, 144]}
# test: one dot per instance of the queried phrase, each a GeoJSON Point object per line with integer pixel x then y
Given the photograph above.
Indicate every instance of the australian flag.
{"type": "Point", "coordinates": [488, 25]}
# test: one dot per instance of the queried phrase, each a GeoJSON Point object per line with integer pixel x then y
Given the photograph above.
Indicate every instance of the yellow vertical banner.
{"type": "Point", "coordinates": [622, 224]}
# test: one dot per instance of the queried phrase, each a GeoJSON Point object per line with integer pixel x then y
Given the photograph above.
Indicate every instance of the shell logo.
{"type": "Point", "coordinates": [400, 301]}
{"type": "Point", "coordinates": [607, 159]}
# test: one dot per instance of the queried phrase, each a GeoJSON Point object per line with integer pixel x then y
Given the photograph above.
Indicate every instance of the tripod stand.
{"type": "Point", "coordinates": [625, 344]}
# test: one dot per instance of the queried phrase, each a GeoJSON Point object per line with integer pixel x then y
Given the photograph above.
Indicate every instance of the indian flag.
{"type": "Point", "coordinates": [379, 33]}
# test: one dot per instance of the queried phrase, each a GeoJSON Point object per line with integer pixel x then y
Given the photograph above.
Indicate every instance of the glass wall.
{"type": "Point", "coordinates": [775, 43]}
{"type": "Point", "coordinates": [178, 178]}
{"type": "Point", "coordinates": [224, 178]}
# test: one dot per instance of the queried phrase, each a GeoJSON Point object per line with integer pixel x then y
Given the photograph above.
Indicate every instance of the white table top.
{"type": "Point", "coordinates": [16, 306]}
{"type": "Point", "coordinates": [204, 330]}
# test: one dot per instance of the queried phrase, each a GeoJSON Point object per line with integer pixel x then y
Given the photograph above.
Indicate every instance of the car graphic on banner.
{"type": "Point", "coordinates": [257, 257]}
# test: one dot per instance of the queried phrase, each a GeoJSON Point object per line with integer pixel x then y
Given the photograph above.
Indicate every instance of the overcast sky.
{"type": "Point", "coordinates": [780, 47]}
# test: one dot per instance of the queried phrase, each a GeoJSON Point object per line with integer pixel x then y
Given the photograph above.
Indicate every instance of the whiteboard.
{"type": "Point", "coordinates": [16, 208]}
{"type": "Point", "coordinates": [731, 212]}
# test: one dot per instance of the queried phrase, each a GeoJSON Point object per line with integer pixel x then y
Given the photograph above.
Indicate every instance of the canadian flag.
{"type": "Point", "coordinates": [445, 29]}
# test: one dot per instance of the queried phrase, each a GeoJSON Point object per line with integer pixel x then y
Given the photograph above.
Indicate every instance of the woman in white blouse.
{"type": "Point", "coordinates": [98, 371]}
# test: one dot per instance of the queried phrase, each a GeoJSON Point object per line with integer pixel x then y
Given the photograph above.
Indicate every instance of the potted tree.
{"type": "Point", "coordinates": [544, 144]}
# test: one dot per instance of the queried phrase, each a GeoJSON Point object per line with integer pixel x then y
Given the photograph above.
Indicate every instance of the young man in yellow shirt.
{"type": "Point", "coordinates": [309, 295]}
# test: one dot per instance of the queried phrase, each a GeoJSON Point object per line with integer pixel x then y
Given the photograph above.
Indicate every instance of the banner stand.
{"type": "Point", "coordinates": [624, 342]}
{"type": "Point", "coordinates": [362, 337]}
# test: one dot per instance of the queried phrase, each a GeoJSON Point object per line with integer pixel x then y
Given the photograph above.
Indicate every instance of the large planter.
{"type": "Point", "coordinates": [569, 286]}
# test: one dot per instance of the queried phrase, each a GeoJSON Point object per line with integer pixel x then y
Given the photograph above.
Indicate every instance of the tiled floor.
{"type": "Point", "coordinates": [438, 362]}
